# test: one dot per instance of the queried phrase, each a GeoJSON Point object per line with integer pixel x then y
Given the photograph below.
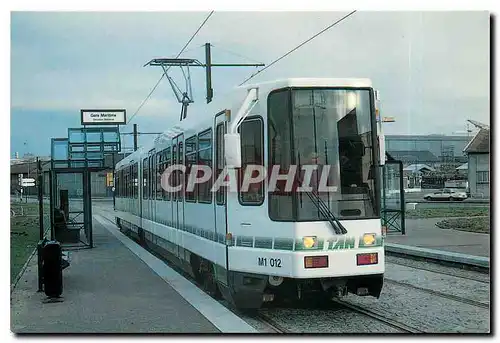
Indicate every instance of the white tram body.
{"type": "Point", "coordinates": [258, 245]}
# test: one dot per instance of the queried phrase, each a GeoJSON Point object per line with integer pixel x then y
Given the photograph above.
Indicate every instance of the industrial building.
{"type": "Point", "coordinates": [432, 161]}
{"type": "Point", "coordinates": [432, 150]}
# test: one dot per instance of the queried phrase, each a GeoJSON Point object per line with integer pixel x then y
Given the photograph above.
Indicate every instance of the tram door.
{"type": "Point", "coordinates": [178, 204]}
{"type": "Point", "coordinates": [220, 197]}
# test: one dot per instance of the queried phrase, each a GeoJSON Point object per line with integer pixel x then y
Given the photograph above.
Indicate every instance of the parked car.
{"type": "Point", "coordinates": [446, 194]}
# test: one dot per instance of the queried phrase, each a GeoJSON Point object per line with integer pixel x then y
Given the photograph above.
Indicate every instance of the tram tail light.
{"type": "Point", "coordinates": [315, 262]}
{"type": "Point", "coordinates": [364, 259]}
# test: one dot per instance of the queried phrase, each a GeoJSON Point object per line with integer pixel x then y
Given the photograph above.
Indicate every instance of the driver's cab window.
{"type": "Point", "coordinates": [252, 153]}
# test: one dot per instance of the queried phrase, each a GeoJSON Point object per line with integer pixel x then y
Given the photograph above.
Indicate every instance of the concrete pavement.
{"type": "Point", "coordinates": [425, 234]}
{"type": "Point", "coordinates": [107, 289]}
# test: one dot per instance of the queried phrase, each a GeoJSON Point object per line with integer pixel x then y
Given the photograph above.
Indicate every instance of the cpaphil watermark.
{"type": "Point", "coordinates": [306, 178]}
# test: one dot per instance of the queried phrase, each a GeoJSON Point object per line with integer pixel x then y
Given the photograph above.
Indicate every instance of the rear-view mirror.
{"type": "Point", "coordinates": [381, 146]}
{"type": "Point", "coordinates": [232, 150]}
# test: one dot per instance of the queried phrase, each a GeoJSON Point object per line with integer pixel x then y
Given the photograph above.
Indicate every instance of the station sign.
{"type": "Point", "coordinates": [28, 182]}
{"type": "Point", "coordinates": [103, 117]}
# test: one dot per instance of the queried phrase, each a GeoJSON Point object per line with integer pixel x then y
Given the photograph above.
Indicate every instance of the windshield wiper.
{"type": "Point", "coordinates": [325, 212]}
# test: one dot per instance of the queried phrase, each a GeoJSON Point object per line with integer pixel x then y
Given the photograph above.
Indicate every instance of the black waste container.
{"type": "Point", "coordinates": [52, 271]}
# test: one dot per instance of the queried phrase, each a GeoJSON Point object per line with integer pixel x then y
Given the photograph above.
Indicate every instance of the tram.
{"type": "Point", "coordinates": [265, 242]}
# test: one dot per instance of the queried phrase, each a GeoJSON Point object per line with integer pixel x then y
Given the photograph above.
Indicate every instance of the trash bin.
{"type": "Point", "coordinates": [52, 271]}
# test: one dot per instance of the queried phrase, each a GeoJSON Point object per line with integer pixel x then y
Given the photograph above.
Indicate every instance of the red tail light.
{"type": "Point", "coordinates": [364, 259]}
{"type": "Point", "coordinates": [315, 261]}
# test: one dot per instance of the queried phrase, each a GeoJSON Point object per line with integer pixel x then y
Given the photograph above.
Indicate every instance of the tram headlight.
{"type": "Point", "coordinates": [369, 238]}
{"type": "Point", "coordinates": [309, 241]}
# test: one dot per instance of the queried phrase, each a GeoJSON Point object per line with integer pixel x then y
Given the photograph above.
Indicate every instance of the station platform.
{"type": "Point", "coordinates": [423, 238]}
{"type": "Point", "coordinates": [118, 287]}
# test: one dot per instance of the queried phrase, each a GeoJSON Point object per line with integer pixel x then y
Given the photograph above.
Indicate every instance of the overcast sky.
{"type": "Point", "coordinates": [432, 69]}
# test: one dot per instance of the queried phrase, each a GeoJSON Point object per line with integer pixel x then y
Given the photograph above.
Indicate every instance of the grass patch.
{"type": "Point", "coordinates": [24, 236]}
{"type": "Point", "coordinates": [440, 212]}
{"type": "Point", "coordinates": [478, 225]}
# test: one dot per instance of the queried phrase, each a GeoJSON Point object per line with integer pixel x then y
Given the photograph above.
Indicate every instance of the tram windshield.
{"type": "Point", "coordinates": [327, 129]}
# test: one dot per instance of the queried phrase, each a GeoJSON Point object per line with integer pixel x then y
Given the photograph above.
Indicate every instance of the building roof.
{"type": "Point", "coordinates": [29, 159]}
{"type": "Point", "coordinates": [413, 156]}
{"type": "Point", "coordinates": [418, 167]}
{"type": "Point", "coordinates": [464, 166]}
{"type": "Point", "coordinates": [22, 168]}
{"type": "Point", "coordinates": [480, 143]}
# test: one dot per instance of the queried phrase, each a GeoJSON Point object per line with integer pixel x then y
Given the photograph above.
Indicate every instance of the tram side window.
{"type": "Point", "coordinates": [173, 176]}
{"type": "Point", "coordinates": [159, 170]}
{"type": "Point", "coordinates": [129, 182]}
{"type": "Point", "coordinates": [122, 186]}
{"type": "Point", "coordinates": [166, 164]}
{"type": "Point", "coordinates": [125, 179]}
{"type": "Point", "coordinates": [252, 153]}
{"type": "Point", "coordinates": [180, 177]}
{"type": "Point", "coordinates": [134, 181]}
{"type": "Point", "coordinates": [122, 180]}
{"type": "Point", "coordinates": [123, 183]}
{"type": "Point", "coordinates": [191, 154]}
{"type": "Point", "coordinates": [220, 196]}
{"type": "Point", "coordinates": [205, 159]}
{"type": "Point", "coordinates": [144, 178]}
{"type": "Point", "coordinates": [137, 181]}
{"type": "Point", "coordinates": [151, 194]}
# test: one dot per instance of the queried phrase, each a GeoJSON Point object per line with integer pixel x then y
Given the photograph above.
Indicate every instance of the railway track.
{"type": "Point", "coordinates": [440, 294]}
{"type": "Point", "coordinates": [272, 324]}
{"type": "Point", "coordinates": [387, 321]}
{"type": "Point", "coordinates": [436, 270]}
